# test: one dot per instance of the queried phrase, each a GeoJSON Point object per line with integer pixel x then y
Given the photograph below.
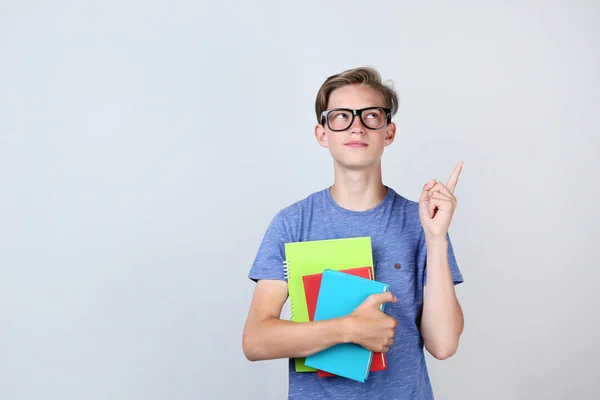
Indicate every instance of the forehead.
{"type": "Point", "coordinates": [355, 96]}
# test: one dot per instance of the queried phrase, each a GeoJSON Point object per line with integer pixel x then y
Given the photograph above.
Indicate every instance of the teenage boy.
{"type": "Point", "coordinates": [411, 250]}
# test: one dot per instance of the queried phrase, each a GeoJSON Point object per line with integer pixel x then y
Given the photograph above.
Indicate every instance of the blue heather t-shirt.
{"type": "Point", "coordinates": [398, 241]}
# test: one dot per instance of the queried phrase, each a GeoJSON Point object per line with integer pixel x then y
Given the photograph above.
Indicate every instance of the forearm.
{"type": "Point", "coordinates": [442, 319]}
{"type": "Point", "coordinates": [275, 338]}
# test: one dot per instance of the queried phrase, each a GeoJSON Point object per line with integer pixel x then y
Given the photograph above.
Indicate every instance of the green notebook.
{"type": "Point", "coordinates": [313, 257]}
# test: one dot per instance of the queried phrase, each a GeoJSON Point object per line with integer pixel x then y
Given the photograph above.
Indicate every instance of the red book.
{"type": "Point", "coordinates": [312, 284]}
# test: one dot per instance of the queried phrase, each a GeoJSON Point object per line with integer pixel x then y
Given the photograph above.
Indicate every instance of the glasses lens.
{"type": "Point", "coordinates": [339, 120]}
{"type": "Point", "coordinates": [374, 118]}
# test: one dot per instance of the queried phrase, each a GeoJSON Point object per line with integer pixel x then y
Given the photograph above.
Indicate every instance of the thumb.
{"type": "Point", "coordinates": [425, 201]}
{"type": "Point", "coordinates": [378, 299]}
{"type": "Point", "coordinates": [426, 188]}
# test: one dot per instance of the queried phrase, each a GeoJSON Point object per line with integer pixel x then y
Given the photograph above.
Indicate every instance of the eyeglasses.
{"type": "Point", "coordinates": [340, 119]}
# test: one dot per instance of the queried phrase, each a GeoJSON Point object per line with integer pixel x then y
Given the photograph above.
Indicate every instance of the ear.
{"type": "Point", "coordinates": [390, 134]}
{"type": "Point", "coordinates": [321, 135]}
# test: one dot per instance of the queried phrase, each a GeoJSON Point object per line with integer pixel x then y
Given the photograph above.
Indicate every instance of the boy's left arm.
{"type": "Point", "coordinates": [442, 319]}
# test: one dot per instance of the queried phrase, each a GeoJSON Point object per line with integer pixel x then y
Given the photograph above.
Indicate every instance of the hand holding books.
{"type": "Point", "coordinates": [370, 327]}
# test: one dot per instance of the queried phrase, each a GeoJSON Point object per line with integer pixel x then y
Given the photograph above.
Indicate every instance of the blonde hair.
{"type": "Point", "coordinates": [366, 76]}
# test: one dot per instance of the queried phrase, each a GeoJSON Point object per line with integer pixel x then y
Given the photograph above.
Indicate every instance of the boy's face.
{"type": "Point", "coordinates": [356, 147]}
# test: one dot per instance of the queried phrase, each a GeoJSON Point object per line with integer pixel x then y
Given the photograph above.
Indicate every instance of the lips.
{"type": "Point", "coordinates": [355, 144]}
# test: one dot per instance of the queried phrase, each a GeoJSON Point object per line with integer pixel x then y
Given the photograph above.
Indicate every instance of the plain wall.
{"type": "Point", "coordinates": [145, 147]}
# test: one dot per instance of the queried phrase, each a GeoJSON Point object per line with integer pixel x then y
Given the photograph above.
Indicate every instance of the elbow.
{"type": "Point", "coordinates": [248, 348]}
{"type": "Point", "coordinates": [443, 354]}
{"type": "Point", "coordinates": [443, 351]}
{"type": "Point", "coordinates": [444, 344]}
{"type": "Point", "coordinates": [251, 347]}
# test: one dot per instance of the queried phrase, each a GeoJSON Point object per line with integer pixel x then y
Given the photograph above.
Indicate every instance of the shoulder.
{"type": "Point", "coordinates": [306, 202]}
{"type": "Point", "coordinates": [300, 207]}
{"type": "Point", "coordinates": [291, 216]}
{"type": "Point", "coordinates": [405, 206]}
{"type": "Point", "coordinates": [405, 218]}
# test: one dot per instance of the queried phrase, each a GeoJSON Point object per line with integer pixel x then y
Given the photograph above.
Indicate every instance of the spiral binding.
{"type": "Point", "coordinates": [286, 271]}
{"type": "Point", "coordinates": [286, 274]}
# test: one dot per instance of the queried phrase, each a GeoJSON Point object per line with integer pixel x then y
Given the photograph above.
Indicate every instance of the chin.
{"type": "Point", "coordinates": [357, 164]}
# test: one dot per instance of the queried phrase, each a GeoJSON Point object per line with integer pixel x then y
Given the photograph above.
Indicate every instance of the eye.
{"type": "Point", "coordinates": [340, 115]}
{"type": "Point", "coordinates": [373, 114]}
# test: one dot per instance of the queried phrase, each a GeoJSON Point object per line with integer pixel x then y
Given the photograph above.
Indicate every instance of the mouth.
{"type": "Point", "coordinates": [356, 144]}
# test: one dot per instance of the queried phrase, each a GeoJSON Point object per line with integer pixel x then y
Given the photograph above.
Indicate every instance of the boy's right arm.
{"type": "Point", "coordinates": [266, 336]}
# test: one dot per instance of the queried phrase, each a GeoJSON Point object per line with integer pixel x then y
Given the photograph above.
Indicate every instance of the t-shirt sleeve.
{"type": "Point", "coordinates": [268, 263]}
{"type": "Point", "coordinates": [457, 277]}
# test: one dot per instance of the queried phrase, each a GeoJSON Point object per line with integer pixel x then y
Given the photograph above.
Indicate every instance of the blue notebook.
{"type": "Point", "coordinates": [339, 295]}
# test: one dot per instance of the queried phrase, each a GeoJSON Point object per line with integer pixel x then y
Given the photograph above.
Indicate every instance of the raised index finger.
{"type": "Point", "coordinates": [451, 185]}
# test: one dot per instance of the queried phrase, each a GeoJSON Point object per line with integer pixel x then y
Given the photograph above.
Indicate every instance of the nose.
{"type": "Point", "coordinates": [357, 127]}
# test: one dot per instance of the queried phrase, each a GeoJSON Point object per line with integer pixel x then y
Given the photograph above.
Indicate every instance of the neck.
{"type": "Point", "coordinates": [358, 190]}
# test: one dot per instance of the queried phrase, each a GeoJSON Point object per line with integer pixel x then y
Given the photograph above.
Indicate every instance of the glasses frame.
{"type": "Point", "coordinates": [388, 119]}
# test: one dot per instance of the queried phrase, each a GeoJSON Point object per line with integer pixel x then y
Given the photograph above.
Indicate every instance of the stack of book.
{"type": "Point", "coordinates": [328, 279]}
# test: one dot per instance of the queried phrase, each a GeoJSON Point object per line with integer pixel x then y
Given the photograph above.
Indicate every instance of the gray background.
{"type": "Point", "coordinates": [145, 146]}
